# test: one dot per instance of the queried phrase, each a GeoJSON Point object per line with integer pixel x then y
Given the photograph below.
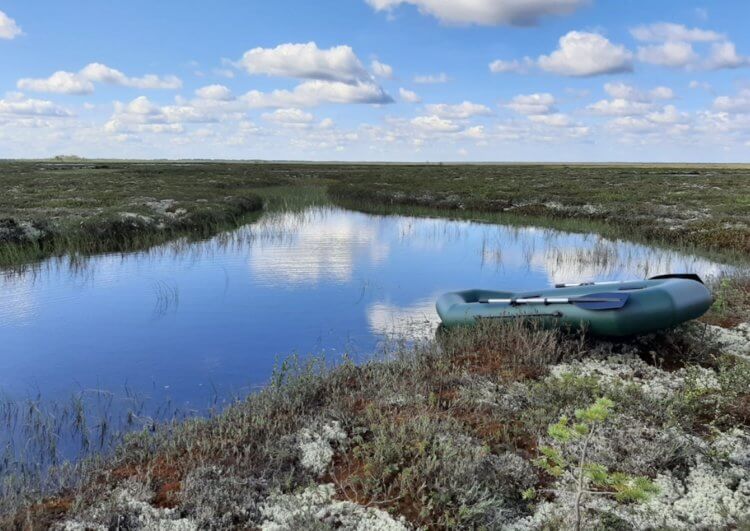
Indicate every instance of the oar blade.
{"type": "Point", "coordinates": [602, 301]}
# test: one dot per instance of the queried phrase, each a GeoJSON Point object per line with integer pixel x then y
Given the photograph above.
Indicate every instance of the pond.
{"type": "Point", "coordinates": [187, 322]}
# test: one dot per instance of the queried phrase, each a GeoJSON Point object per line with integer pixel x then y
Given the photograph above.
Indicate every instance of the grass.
{"type": "Point", "coordinates": [702, 207]}
{"type": "Point", "coordinates": [52, 208]}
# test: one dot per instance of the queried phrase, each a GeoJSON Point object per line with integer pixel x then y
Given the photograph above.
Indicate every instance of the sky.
{"type": "Point", "coordinates": [377, 80]}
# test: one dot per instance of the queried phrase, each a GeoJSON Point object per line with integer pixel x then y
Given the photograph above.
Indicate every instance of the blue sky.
{"type": "Point", "coordinates": [398, 80]}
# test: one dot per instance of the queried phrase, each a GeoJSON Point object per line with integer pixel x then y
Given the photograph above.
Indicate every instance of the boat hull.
{"type": "Point", "coordinates": [652, 305]}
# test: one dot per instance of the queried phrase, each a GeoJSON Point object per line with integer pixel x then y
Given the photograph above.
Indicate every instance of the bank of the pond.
{"type": "Point", "coordinates": [463, 431]}
{"type": "Point", "coordinates": [56, 207]}
{"type": "Point", "coordinates": [701, 207]}
{"type": "Point", "coordinates": [52, 209]}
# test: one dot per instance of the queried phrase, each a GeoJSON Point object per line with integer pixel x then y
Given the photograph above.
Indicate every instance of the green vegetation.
{"type": "Point", "coordinates": [76, 206]}
{"type": "Point", "coordinates": [705, 207]}
{"type": "Point", "coordinates": [590, 479]}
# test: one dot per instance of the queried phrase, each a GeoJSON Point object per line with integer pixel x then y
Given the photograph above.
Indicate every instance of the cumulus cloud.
{"type": "Point", "coordinates": [435, 124]}
{"type": "Point", "coordinates": [668, 115]}
{"type": "Point", "coordinates": [665, 31]}
{"type": "Point", "coordinates": [19, 105]}
{"type": "Point", "coordinates": [520, 67]}
{"type": "Point", "coordinates": [316, 92]}
{"type": "Point", "coordinates": [60, 82]}
{"type": "Point", "coordinates": [675, 48]}
{"type": "Point", "coordinates": [532, 104]}
{"type": "Point", "coordinates": [724, 55]}
{"type": "Point", "coordinates": [629, 92]}
{"type": "Point", "coordinates": [620, 107]}
{"type": "Point", "coordinates": [100, 73]}
{"type": "Point", "coordinates": [628, 100]}
{"type": "Point", "coordinates": [306, 61]}
{"type": "Point", "coordinates": [8, 27]}
{"type": "Point", "coordinates": [671, 54]}
{"type": "Point", "coordinates": [83, 82]}
{"type": "Point", "coordinates": [335, 75]}
{"type": "Point", "coordinates": [734, 104]}
{"type": "Point", "coordinates": [553, 120]}
{"type": "Point", "coordinates": [583, 54]}
{"type": "Point", "coordinates": [431, 79]}
{"type": "Point", "coordinates": [215, 92]}
{"type": "Point", "coordinates": [460, 111]}
{"type": "Point", "coordinates": [289, 116]}
{"type": "Point", "coordinates": [381, 69]}
{"type": "Point", "coordinates": [409, 96]}
{"type": "Point", "coordinates": [486, 12]}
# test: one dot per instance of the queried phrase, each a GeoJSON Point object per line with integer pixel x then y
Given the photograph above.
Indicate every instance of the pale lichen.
{"type": "Point", "coordinates": [315, 507]}
{"type": "Point", "coordinates": [316, 446]}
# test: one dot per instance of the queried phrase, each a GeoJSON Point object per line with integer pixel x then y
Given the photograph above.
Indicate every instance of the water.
{"type": "Point", "coordinates": [188, 322]}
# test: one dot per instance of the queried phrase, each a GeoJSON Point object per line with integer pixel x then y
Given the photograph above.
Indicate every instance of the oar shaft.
{"type": "Point", "coordinates": [580, 284]}
{"type": "Point", "coordinates": [547, 300]}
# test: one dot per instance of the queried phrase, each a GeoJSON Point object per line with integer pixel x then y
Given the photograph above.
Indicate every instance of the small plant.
{"type": "Point", "coordinates": [591, 479]}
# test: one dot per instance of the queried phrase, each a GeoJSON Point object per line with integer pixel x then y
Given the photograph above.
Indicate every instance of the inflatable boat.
{"type": "Point", "coordinates": [604, 309]}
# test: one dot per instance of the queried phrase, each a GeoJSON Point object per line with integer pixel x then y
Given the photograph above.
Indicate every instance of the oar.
{"type": "Point", "coordinates": [580, 284]}
{"type": "Point", "coordinates": [687, 276]}
{"type": "Point", "coordinates": [598, 301]}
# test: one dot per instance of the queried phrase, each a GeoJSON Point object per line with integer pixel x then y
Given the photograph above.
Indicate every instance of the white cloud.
{"type": "Point", "coordinates": [435, 124]}
{"type": "Point", "coordinates": [734, 104]}
{"type": "Point", "coordinates": [520, 67]}
{"type": "Point", "coordinates": [486, 12]}
{"type": "Point", "coordinates": [675, 48]}
{"type": "Point", "coordinates": [8, 27]}
{"type": "Point", "coordinates": [104, 74]}
{"type": "Point", "coordinates": [18, 104]}
{"type": "Point", "coordinates": [317, 92]}
{"type": "Point", "coordinates": [620, 107]}
{"type": "Point", "coordinates": [432, 79]}
{"type": "Point", "coordinates": [662, 93]}
{"type": "Point", "coordinates": [665, 31]}
{"type": "Point", "coordinates": [409, 96]}
{"type": "Point", "coordinates": [83, 82]}
{"type": "Point", "coordinates": [554, 120]}
{"type": "Point", "coordinates": [334, 75]}
{"type": "Point", "coordinates": [306, 61]}
{"type": "Point", "coordinates": [215, 92]}
{"type": "Point", "coordinates": [381, 69]}
{"type": "Point", "coordinates": [629, 92]}
{"type": "Point", "coordinates": [532, 104]}
{"type": "Point", "coordinates": [584, 54]}
{"type": "Point", "coordinates": [671, 54]}
{"type": "Point", "coordinates": [289, 116]}
{"type": "Point", "coordinates": [724, 55]}
{"type": "Point", "coordinates": [668, 115]}
{"type": "Point", "coordinates": [702, 85]}
{"type": "Point", "coordinates": [460, 111]}
{"type": "Point", "coordinates": [60, 82]}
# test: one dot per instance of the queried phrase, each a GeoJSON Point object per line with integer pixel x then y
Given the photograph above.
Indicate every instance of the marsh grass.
{"type": "Point", "coordinates": [731, 306]}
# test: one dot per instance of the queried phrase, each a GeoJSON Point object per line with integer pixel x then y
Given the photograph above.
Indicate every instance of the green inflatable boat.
{"type": "Point", "coordinates": [604, 309]}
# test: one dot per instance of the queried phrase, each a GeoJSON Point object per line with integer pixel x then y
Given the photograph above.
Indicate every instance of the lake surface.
{"type": "Point", "coordinates": [189, 322]}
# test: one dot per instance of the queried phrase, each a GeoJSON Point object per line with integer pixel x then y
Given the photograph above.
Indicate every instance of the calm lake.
{"type": "Point", "coordinates": [190, 322]}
